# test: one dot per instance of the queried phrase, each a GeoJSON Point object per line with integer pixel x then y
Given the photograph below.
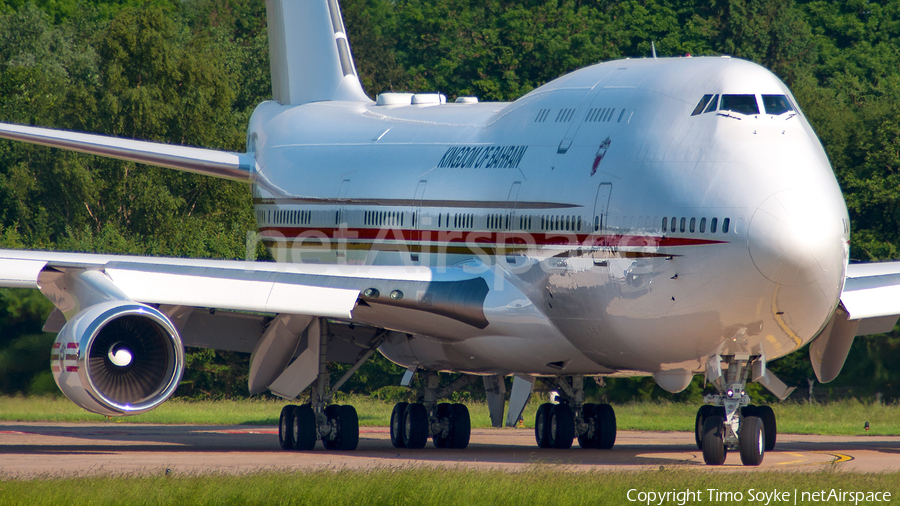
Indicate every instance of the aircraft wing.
{"type": "Point", "coordinates": [221, 164]}
{"type": "Point", "coordinates": [267, 287]}
{"type": "Point", "coordinates": [872, 296]}
{"type": "Point", "coordinates": [870, 304]}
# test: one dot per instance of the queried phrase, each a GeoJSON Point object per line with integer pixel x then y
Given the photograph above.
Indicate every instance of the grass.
{"type": "Point", "coordinates": [838, 418]}
{"type": "Point", "coordinates": [540, 484]}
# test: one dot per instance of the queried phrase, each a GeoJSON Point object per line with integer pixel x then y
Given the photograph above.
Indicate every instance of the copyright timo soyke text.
{"type": "Point", "coordinates": [755, 496]}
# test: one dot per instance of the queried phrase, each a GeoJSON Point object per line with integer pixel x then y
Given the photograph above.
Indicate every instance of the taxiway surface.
{"type": "Point", "coordinates": [53, 449]}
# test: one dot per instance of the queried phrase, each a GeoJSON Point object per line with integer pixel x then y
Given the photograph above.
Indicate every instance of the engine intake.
{"type": "Point", "coordinates": [118, 358]}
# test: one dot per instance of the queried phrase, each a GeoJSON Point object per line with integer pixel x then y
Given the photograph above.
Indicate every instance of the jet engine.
{"type": "Point", "coordinates": [118, 358]}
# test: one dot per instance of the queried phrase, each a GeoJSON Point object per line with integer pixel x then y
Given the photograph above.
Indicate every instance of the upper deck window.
{"type": "Point", "coordinates": [776, 104]}
{"type": "Point", "coordinates": [742, 104]}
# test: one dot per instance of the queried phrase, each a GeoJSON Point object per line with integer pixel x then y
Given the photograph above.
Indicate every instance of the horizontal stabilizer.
{"type": "Point", "coordinates": [209, 162]}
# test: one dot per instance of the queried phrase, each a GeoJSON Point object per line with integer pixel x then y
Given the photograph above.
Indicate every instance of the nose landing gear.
{"type": "Point", "coordinates": [728, 421]}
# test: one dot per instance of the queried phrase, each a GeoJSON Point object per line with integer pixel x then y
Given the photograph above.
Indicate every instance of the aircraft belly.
{"type": "Point", "coordinates": [667, 313]}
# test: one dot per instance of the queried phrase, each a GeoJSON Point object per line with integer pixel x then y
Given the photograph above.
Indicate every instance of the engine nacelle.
{"type": "Point", "coordinates": [118, 358]}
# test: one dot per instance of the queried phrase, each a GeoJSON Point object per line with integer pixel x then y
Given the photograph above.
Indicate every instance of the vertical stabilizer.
{"type": "Point", "coordinates": [309, 53]}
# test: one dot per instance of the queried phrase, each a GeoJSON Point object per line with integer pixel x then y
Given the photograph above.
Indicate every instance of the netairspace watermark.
{"type": "Point", "coordinates": [755, 496]}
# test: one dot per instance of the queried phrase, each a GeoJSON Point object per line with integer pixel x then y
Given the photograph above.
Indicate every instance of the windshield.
{"type": "Point", "coordinates": [743, 104]}
{"type": "Point", "coordinates": [776, 104]}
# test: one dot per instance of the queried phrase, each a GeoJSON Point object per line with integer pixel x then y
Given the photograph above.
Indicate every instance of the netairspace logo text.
{"type": "Point", "coordinates": [754, 496]}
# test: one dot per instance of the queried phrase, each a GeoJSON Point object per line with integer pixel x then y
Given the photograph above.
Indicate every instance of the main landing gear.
{"type": "Point", "coordinates": [729, 421]}
{"type": "Point", "coordinates": [557, 425]}
{"type": "Point", "coordinates": [299, 427]}
{"type": "Point", "coordinates": [448, 425]}
{"type": "Point", "coordinates": [337, 426]}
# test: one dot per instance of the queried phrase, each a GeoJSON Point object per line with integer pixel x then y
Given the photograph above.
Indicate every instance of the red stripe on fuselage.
{"type": "Point", "coordinates": [558, 238]}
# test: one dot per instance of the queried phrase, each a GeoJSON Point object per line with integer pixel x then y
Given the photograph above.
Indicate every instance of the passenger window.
{"type": "Point", "coordinates": [712, 104]}
{"type": "Point", "coordinates": [682, 224]}
{"type": "Point", "coordinates": [701, 105]}
{"type": "Point", "coordinates": [665, 223]}
{"type": "Point", "coordinates": [702, 225]}
{"type": "Point", "coordinates": [693, 222]}
{"type": "Point", "coordinates": [725, 223]}
{"type": "Point", "coordinates": [712, 225]}
{"type": "Point", "coordinates": [742, 104]}
{"type": "Point", "coordinates": [673, 224]}
{"type": "Point", "coordinates": [776, 104]}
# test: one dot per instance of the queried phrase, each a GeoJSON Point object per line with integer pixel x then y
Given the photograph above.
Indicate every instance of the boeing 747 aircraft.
{"type": "Point", "coordinates": [659, 217]}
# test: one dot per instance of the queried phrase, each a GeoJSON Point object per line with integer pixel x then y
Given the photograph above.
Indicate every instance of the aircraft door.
{"type": "Point", "coordinates": [581, 115]}
{"type": "Point", "coordinates": [340, 218]}
{"type": "Point", "coordinates": [511, 200]}
{"type": "Point", "coordinates": [419, 222]}
{"type": "Point", "coordinates": [601, 207]}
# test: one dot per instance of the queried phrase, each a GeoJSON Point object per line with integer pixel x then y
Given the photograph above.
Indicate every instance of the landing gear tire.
{"type": "Point", "coordinates": [415, 426]}
{"type": "Point", "coordinates": [770, 428]}
{"type": "Point", "coordinates": [346, 425]}
{"type": "Point", "coordinates": [460, 426]}
{"type": "Point", "coordinates": [606, 421]}
{"type": "Point", "coordinates": [542, 425]}
{"type": "Point", "coordinates": [752, 441]}
{"type": "Point", "coordinates": [397, 424]}
{"type": "Point", "coordinates": [714, 441]}
{"type": "Point", "coordinates": [285, 427]}
{"type": "Point", "coordinates": [703, 413]}
{"type": "Point", "coordinates": [305, 432]}
{"type": "Point", "coordinates": [562, 427]}
{"type": "Point", "coordinates": [331, 443]}
{"type": "Point", "coordinates": [589, 438]}
{"type": "Point", "coordinates": [443, 412]}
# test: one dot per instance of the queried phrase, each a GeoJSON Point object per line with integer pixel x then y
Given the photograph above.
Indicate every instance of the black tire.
{"type": "Point", "coordinates": [767, 416]}
{"type": "Point", "coordinates": [752, 441]}
{"type": "Point", "coordinates": [305, 430]}
{"type": "Point", "coordinates": [714, 450]}
{"type": "Point", "coordinates": [415, 426]}
{"type": "Point", "coordinates": [286, 427]}
{"type": "Point", "coordinates": [542, 425]}
{"type": "Point", "coordinates": [443, 412]}
{"type": "Point", "coordinates": [606, 422]}
{"type": "Point", "coordinates": [562, 427]}
{"type": "Point", "coordinates": [702, 414]}
{"type": "Point", "coordinates": [332, 441]}
{"type": "Point", "coordinates": [397, 424]}
{"type": "Point", "coordinates": [589, 415]}
{"type": "Point", "coordinates": [460, 426]}
{"type": "Point", "coordinates": [348, 428]}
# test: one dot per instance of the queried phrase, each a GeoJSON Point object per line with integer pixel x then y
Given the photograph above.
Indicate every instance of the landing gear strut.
{"type": "Point", "coordinates": [556, 425]}
{"type": "Point", "coordinates": [729, 421]}
{"type": "Point", "coordinates": [448, 425]}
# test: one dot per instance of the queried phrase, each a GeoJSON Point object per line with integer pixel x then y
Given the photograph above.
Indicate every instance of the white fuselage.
{"type": "Point", "coordinates": [588, 205]}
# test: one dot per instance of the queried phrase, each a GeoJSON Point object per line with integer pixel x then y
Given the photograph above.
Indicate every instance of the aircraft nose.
{"type": "Point", "coordinates": [797, 238]}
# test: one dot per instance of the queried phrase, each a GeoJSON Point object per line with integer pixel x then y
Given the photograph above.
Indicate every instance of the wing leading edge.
{"type": "Point", "coordinates": [331, 291]}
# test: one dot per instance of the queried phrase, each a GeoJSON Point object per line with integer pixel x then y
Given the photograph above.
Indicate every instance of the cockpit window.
{"type": "Point", "coordinates": [776, 104]}
{"type": "Point", "coordinates": [712, 104]}
{"type": "Point", "coordinates": [743, 104]}
{"type": "Point", "coordinates": [701, 105]}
